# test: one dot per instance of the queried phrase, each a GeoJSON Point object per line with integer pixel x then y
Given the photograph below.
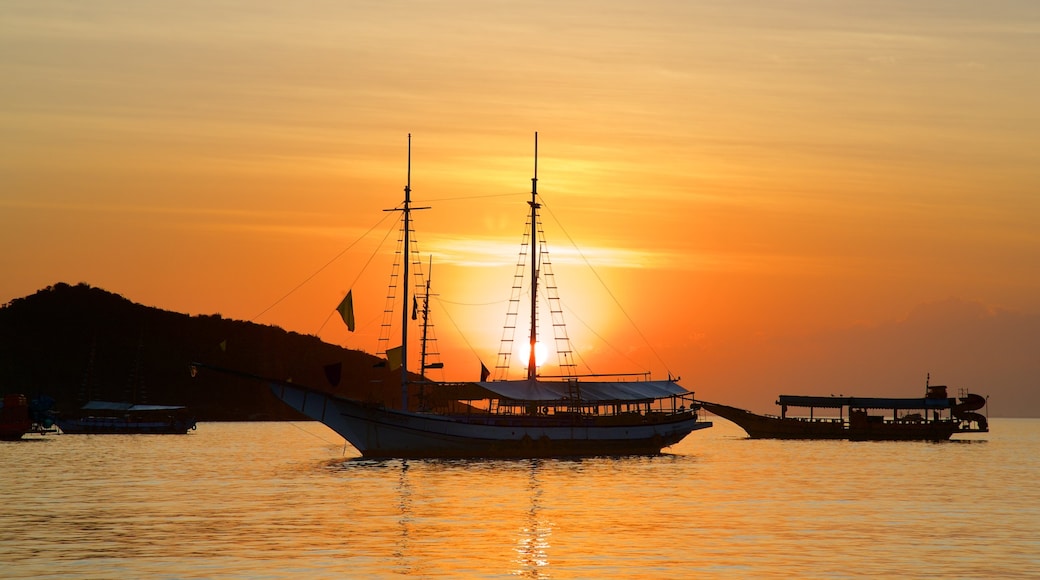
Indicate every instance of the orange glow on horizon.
{"type": "Point", "coordinates": [759, 194]}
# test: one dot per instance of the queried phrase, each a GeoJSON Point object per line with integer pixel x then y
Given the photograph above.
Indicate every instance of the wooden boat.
{"type": "Point", "coordinates": [104, 417]}
{"type": "Point", "coordinates": [532, 417]}
{"type": "Point", "coordinates": [934, 417]}
{"type": "Point", "coordinates": [14, 417]}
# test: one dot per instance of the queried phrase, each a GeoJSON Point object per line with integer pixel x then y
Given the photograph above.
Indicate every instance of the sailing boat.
{"type": "Point", "coordinates": [531, 417]}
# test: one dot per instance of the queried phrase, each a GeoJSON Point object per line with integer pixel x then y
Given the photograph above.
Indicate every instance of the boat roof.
{"type": "Point", "coordinates": [113, 406]}
{"type": "Point", "coordinates": [864, 402]}
{"type": "Point", "coordinates": [590, 391]}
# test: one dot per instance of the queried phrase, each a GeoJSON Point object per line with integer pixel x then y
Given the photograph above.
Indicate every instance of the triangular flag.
{"type": "Point", "coordinates": [346, 310]}
{"type": "Point", "coordinates": [415, 308]}
{"type": "Point", "coordinates": [393, 356]}
{"type": "Point", "coordinates": [333, 372]}
{"type": "Point", "coordinates": [484, 372]}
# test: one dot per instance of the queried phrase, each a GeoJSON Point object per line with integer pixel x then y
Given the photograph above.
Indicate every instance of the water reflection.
{"type": "Point", "coordinates": [533, 544]}
{"type": "Point", "coordinates": [404, 507]}
{"type": "Point", "coordinates": [219, 503]}
{"type": "Point", "coordinates": [437, 506]}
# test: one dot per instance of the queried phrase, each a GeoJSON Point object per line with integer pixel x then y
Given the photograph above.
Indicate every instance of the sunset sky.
{"type": "Point", "coordinates": [805, 197]}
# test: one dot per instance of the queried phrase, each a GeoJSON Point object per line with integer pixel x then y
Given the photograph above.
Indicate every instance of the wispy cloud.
{"type": "Point", "coordinates": [259, 221]}
{"type": "Point", "coordinates": [477, 252]}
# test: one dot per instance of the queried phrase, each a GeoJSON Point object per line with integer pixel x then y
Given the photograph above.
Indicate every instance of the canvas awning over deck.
{"type": "Point", "coordinates": [592, 391]}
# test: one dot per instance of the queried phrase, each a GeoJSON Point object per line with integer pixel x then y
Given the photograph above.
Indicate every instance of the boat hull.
{"type": "Point", "coordinates": [378, 432]}
{"type": "Point", "coordinates": [120, 426]}
{"type": "Point", "coordinates": [11, 433]}
{"type": "Point", "coordinates": [766, 427]}
{"type": "Point", "coordinates": [14, 417]}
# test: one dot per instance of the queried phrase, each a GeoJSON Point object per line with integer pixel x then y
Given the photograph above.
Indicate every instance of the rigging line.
{"type": "Point", "coordinates": [597, 335]}
{"type": "Point", "coordinates": [605, 287]}
{"type": "Point", "coordinates": [315, 435]}
{"type": "Point", "coordinates": [361, 325]}
{"type": "Point", "coordinates": [319, 270]}
{"type": "Point", "coordinates": [456, 326]}
{"type": "Point", "coordinates": [376, 251]}
{"type": "Point", "coordinates": [363, 268]}
{"type": "Point", "coordinates": [327, 319]}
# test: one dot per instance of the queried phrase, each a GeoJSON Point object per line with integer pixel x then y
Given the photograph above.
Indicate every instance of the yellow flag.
{"type": "Point", "coordinates": [393, 356]}
{"type": "Point", "coordinates": [346, 310]}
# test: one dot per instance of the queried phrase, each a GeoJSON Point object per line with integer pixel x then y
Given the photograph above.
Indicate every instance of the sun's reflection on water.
{"type": "Point", "coordinates": [404, 506]}
{"type": "Point", "coordinates": [532, 546]}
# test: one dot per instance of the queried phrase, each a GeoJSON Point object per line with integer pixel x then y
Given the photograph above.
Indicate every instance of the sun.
{"type": "Point", "coordinates": [541, 353]}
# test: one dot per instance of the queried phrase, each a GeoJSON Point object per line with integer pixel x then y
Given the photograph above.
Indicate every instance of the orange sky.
{"type": "Point", "coordinates": [840, 197]}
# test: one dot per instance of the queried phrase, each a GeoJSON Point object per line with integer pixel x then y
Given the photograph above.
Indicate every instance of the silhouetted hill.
{"type": "Point", "coordinates": [77, 343]}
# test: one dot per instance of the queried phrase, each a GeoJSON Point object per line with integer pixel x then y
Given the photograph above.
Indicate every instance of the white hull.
{"type": "Point", "coordinates": [379, 432]}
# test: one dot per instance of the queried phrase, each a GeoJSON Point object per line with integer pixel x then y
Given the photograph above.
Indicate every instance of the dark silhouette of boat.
{"type": "Point", "coordinates": [99, 417]}
{"type": "Point", "coordinates": [520, 418]}
{"type": "Point", "coordinates": [104, 417]}
{"type": "Point", "coordinates": [934, 417]}
{"type": "Point", "coordinates": [15, 420]}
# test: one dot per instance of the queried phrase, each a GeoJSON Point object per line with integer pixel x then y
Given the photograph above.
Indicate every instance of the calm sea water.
{"type": "Point", "coordinates": [277, 500]}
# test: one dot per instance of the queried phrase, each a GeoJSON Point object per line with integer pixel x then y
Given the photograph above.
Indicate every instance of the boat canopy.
{"type": "Point", "coordinates": [592, 392]}
{"type": "Point", "coordinates": [129, 407]}
{"type": "Point", "coordinates": [864, 402]}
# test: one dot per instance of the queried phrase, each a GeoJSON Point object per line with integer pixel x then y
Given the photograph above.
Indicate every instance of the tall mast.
{"type": "Point", "coordinates": [531, 360]}
{"type": "Point", "coordinates": [407, 258]}
{"type": "Point", "coordinates": [407, 209]}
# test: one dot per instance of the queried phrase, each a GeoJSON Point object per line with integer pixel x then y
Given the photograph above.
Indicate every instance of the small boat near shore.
{"type": "Point", "coordinates": [21, 416]}
{"type": "Point", "coordinates": [934, 417]}
{"type": "Point", "coordinates": [104, 417]}
{"type": "Point", "coordinates": [14, 417]}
